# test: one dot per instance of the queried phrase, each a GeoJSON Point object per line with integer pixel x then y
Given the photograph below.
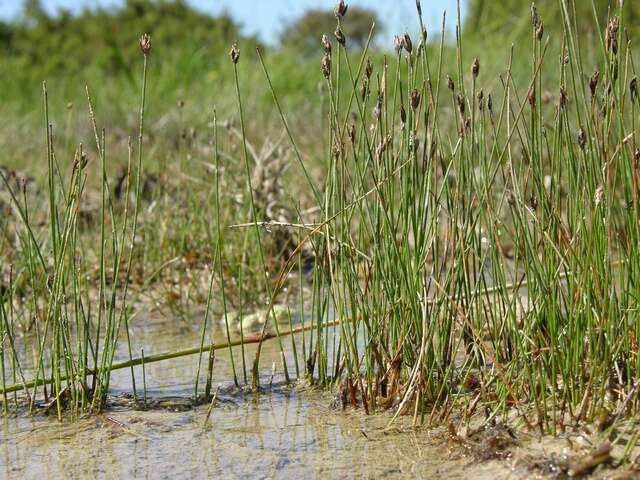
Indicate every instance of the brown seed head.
{"type": "Point", "coordinates": [382, 146]}
{"type": "Point", "coordinates": [415, 143]}
{"type": "Point", "coordinates": [611, 35]}
{"type": "Point", "coordinates": [582, 139]}
{"type": "Point", "coordinates": [403, 114]}
{"type": "Point", "coordinates": [352, 134]}
{"type": "Point", "coordinates": [342, 40]}
{"type": "Point", "coordinates": [415, 99]}
{"type": "Point", "coordinates": [341, 9]}
{"type": "Point", "coordinates": [532, 96]}
{"type": "Point", "coordinates": [450, 85]}
{"type": "Point", "coordinates": [397, 44]}
{"type": "Point", "coordinates": [338, 150]}
{"type": "Point", "coordinates": [326, 66]}
{"type": "Point", "coordinates": [633, 89]}
{"type": "Point", "coordinates": [234, 53]}
{"type": "Point", "coordinates": [419, 7]}
{"type": "Point", "coordinates": [475, 68]}
{"type": "Point", "coordinates": [490, 104]}
{"type": "Point", "coordinates": [84, 160]}
{"type": "Point", "coordinates": [145, 44]}
{"type": "Point", "coordinates": [462, 104]}
{"type": "Point", "coordinates": [368, 69]}
{"type": "Point", "coordinates": [535, 19]}
{"type": "Point", "coordinates": [377, 110]}
{"type": "Point", "coordinates": [563, 96]}
{"type": "Point", "coordinates": [364, 89]}
{"type": "Point", "coordinates": [406, 43]}
{"type": "Point", "coordinates": [540, 31]}
{"type": "Point", "coordinates": [326, 44]}
{"type": "Point", "coordinates": [593, 83]}
{"type": "Point", "coordinates": [481, 100]}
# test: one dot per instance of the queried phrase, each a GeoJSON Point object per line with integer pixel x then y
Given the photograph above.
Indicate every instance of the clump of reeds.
{"type": "Point", "coordinates": [475, 239]}
{"type": "Point", "coordinates": [477, 243]}
{"type": "Point", "coordinates": [77, 325]}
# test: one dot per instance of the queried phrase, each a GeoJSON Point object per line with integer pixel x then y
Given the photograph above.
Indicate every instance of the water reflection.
{"type": "Point", "coordinates": [282, 432]}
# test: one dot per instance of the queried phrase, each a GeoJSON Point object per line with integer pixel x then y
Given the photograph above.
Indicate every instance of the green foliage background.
{"type": "Point", "coordinates": [189, 63]}
{"type": "Point", "coordinates": [107, 39]}
{"type": "Point", "coordinates": [507, 19]}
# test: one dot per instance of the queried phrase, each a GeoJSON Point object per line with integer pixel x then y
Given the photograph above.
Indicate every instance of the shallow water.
{"type": "Point", "coordinates": [269, 436]}
{"type": "Point", "coordinates": [281, 432]}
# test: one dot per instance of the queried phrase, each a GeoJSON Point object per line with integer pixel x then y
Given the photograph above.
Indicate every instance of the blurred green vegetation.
{"type": "Point", "coordinates": [500, 20]}
{"type": "Point", "coordinates": [107, 39]}
{"type": "Point", "coordinates": [189, 66]}
{"type": "Point", "coordinates": [99, 48]}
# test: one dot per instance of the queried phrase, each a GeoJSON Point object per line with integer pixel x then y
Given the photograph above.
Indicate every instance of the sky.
{"type": "Point", "coordinates": [267, 17]}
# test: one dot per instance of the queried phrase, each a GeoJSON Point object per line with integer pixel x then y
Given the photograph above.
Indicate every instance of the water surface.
{"type": "Point", "coordinates": [282, 432]}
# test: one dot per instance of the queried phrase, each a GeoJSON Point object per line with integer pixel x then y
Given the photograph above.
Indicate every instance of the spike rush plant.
{"type": "Point", "coordinates": [474, 246]}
